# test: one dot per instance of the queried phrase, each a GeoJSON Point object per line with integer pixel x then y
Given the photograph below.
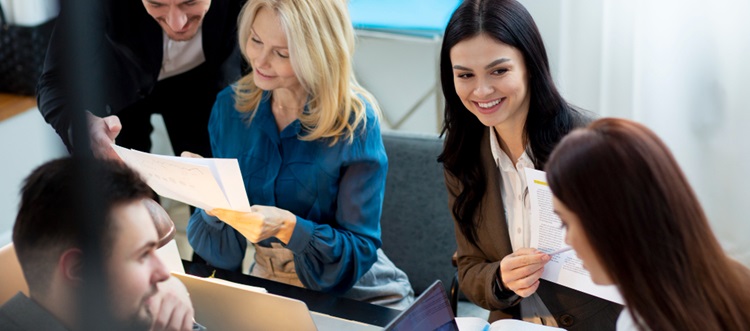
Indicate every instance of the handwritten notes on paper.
{"type": "Point", "coordinates": [204, 183]}
{"type": "Point", "coordinates": [547, 235]}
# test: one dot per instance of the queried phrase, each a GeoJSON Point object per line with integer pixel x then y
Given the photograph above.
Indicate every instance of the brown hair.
{"type": "Point", "coordinates": [647, 227]}
{"type": "Point", "coordinates": [550, 117]}
{"type": "Point", "coordinates": [49, 222]}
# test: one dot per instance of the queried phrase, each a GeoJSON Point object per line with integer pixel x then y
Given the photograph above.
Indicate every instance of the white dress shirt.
{"type": "Point", "coordinates": [514, 193]}
{"type": "Point", "coordinates": [181, 56]}
{"type": "Point", "coordinates": [625, 321]}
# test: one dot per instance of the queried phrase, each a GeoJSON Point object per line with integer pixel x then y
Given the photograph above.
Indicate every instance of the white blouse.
{"type": "Point", "coordinates": [625, 321]}
{"type": "Point", "coordinates": [514, 193]}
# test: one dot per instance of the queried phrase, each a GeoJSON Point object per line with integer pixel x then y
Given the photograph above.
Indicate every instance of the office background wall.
{"type": "Point", "coordinates": [679, 67]}
{"type": "Point", "coordinates": [26, 142]}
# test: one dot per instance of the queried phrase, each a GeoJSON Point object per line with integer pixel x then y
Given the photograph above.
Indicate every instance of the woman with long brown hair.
{"type": "Point", "coordinates": [634, 220]}
{"type": "Point", "coordinates": [503, 113]}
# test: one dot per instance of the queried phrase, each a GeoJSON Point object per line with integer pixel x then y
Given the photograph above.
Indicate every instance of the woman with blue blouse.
{"type": "Point", "coordinates": [307, 139]}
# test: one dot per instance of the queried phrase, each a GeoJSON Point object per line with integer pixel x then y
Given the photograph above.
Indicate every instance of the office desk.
{"type": "Point", "coordinates": [12, 105]}
{"type": "Point", "coordinates": [316, 301]}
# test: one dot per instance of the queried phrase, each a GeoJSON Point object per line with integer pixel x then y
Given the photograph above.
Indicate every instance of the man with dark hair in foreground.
{"type": "Point", "coordinates": [141, 294]}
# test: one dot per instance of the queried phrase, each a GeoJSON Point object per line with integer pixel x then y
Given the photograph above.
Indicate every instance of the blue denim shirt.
{"type": "Point", "coordinates": [336, 192]}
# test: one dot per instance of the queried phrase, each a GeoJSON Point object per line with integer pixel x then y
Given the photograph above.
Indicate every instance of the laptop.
{"type": "Point", "coordinates": [430, 311]}
{"type": "Point", "coordinates": [226, 307]}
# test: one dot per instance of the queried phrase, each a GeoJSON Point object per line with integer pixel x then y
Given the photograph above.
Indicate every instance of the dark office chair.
{"type": "Point", "coordinates": [417, 228]}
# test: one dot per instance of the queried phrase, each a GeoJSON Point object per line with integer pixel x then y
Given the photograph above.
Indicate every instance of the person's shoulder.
{"type": "Point", "coordinates": [371, 116]}
{"type": "Point", "coordinates": [6, 317]}
{"type": "Point", "coordinates": [225, 102]}
{"type": "Point", "coordinates": [225, 97]}
{"type": "Point", "coordinates": [742, 271]}
{"type": "Point", "coordinates": [21, 313]}
{"type": "Point", "coordinates": [226, 93]}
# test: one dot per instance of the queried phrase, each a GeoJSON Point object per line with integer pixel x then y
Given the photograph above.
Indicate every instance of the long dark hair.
{"type": "Point", "coordinates": [648, 229]}
{"type": "Point", "coordinates": [549, 118]}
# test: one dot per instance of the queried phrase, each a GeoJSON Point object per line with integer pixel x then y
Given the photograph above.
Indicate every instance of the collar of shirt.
{"type": "Point", "coordinates": [502, 160]}
{"type": "Point", "coordinates": [181, 56]}
{"type": "Point", "coordinates": [512, 182]}
{"type": "Point", "coordinates": [267, 121]}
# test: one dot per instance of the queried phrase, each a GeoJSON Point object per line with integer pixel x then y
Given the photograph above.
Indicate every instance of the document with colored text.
{"type": "Point", "coordinates": [547, 235]}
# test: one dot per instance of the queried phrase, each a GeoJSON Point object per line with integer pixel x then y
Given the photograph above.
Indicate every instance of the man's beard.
{"type": "Point", "coordinates": [135, 321]}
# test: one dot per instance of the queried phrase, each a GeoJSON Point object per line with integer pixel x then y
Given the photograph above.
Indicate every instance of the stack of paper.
{"type": "Point", "coordinates": [548, 236]}
{"type": "Point", "coordinates": [204, 183]}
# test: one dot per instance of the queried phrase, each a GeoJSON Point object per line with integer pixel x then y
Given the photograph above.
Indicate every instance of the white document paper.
{"type": "Point", "coordinates": [203, 183]}
{"type": "Point", "coordinates": [479, 324]}
{"type": "Point", "coordinates": [547, 235]}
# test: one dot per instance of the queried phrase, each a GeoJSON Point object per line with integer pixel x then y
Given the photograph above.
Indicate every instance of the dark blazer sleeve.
{"type": "Point", "coordinates": [54, 85]}
{"type": "Point", "coordinates": [50, 94]}
{"type": "Point", "coordinates": [476, 274]}
{"type": "Point", "coordinates": [478, 264]}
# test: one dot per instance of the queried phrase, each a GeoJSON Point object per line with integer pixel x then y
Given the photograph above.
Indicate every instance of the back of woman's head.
{"type": "Point", "coordinates": [647, 227]}
{"type": "Point", "coordinates": [321, 45]}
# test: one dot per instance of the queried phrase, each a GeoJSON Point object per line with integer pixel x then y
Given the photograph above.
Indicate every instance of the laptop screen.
{"type": "Point", "coordinates": [431, 311]}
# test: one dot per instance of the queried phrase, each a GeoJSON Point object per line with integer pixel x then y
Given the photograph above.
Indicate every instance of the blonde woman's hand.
{"type": "Point", "coordinates": [262, 222]}
{"type": "Point", "coordinates": [521, 270]}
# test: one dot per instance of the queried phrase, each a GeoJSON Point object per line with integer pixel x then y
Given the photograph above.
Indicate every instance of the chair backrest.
{"type": "Point", "coordinates": [11, 276]}
{"type": "Point", "coordinates": [417, 228]}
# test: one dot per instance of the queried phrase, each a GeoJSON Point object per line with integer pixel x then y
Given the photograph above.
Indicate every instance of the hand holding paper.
{"type": "Point", "coordinates": [548, 236]}
{"type": "Point", "coordinates": [561, 250]}
{"type": "Point", "coordinates": [261, 223]}
{"type": "Point", "coordinates": [102, 134]}
{"type": "Point", "coordinates": [521, 270]}
{"type": "Point", "coordinates": [204, 183]}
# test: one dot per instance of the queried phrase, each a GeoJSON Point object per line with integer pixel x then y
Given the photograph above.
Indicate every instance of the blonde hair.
{"type": "Point", "coordinates": [321, 46]}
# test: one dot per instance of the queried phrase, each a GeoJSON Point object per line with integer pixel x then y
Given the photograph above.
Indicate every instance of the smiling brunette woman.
{"type": "Point", "coordinates": [502, 114]}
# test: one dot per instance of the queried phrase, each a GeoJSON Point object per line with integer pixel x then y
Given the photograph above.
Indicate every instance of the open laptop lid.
{"type": "Point", "coordinates": [228, 308]}
{"type": "Point", "coordinates": [430, 311]}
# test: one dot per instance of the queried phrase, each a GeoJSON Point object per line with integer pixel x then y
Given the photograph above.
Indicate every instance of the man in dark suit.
{"type": "Point", "coordinates": [153, 56]}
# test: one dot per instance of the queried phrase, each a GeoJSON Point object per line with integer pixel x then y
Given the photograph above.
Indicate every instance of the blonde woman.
{"type": "Point", "coordinates": [308, 142]}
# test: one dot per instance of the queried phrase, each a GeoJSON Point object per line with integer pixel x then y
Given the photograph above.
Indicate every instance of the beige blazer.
{"type": "Point", "coordinates": [477, 266]}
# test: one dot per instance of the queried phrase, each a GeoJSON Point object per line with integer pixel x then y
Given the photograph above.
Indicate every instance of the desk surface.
{"type": "Point", "coordinates": [316, 301]}
{"type": "Point", "coordinates": [12, 105]}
